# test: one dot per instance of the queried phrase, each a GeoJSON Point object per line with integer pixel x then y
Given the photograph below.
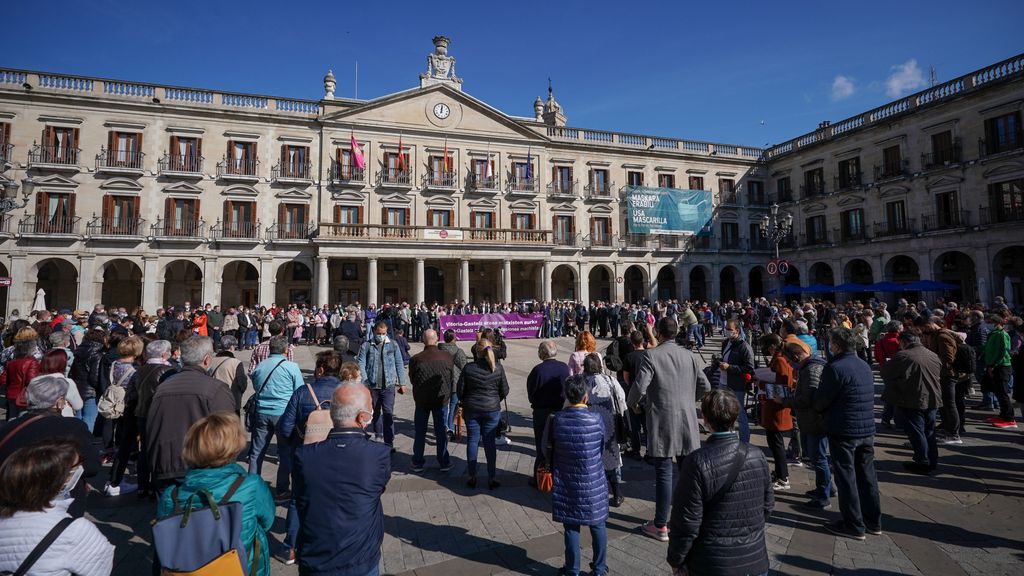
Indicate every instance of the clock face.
{"type": "Point", "coordinates": [442, 111]}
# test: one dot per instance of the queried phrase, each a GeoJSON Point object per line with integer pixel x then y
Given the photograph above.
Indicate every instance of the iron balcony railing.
{"type": "Point", "coordinates": [181, 164]}
{"type": "Point", "coordinates": [441, 180]}
{"type": "Point", "coordinates": [566, 240]}
{"type": "Point", "coordinates": [945, 220]}
{"type": "Point", "coordinates": [758, 200]}
{"type": "Point", "coordinates": [563, 188]}
{"type": "Point", "coordinates": [6, 154]}
{"type": "Point", "coordinates": [599, 191]}
{"type": "Point", "coordinates": [290, 231]}
{"type": "Point", "coordinates": [395, 177]}
{"type": "Point", "coordinates": [942, 157]}
{"type": "Point", "coordinates": [785, 195]}
{"type": "Point", "coordinates": [731, 244]}
{"type": "Point", "coordinates": [702, 242]}
{"type": "Point", "coordinates": [109, 226]}
{"type": "Point", "coordinates": [44, 225]}
{"type": "Point", "coordinates": [335, 231]}
{"type": "Point", "coordinates": [238, 168]}
{"type": "Point", "coordinates": [598, 241]}
{"type": "Point", "coordinates": [670, 242]}
{"type": "Point", "coordinates": [292, 171]}
{"type": "Point", "coordinates": [346, 173]}
{"type": "Point", "coordinates": [727, 198]}
{"type": "Point", "coordinates": [894, 228]}
{"type": "Point", "coordinates": [633, 242]}
{"type": "Point", "coordinates": [990, 147]}
{"type": "Point", "coordinates": [849, 181]}
{"type": "Point", "coordinates": [235, 230]}
{"type": "Point", "coordinates": [812, 190]}
{"type": "Point", "coordinates": [53, 155]}
{"type": "Point", "coordinates": [479, 182]}
{"type": "Point", "coordinates": [893, 170]}
{"type": "Point", "coordinates": [179, 228]}
{"type": "Point", "coordinates": [759, 244]}
{"type": "Point", "coordinates": [120, 160]}
{"type": "Point", "coordinates": [816, 239]}
{"type": "Point", "coordinates": [523, 185]}
{"type": "Point", "coordinates": [851, 236]}
{"type": "Point", "coordinates": [1001, 213]}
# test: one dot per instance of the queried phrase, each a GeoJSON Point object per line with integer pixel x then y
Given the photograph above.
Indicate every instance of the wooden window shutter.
{"type": "Point", "coordinates": [593, 227]}
{"type": "Point", "coordinates": [554, 175]}
{"type": "Point", "coordinates": [408, 222]}
{"type": "Point", "coordinates": [252, 213]}
{"type": "Point", "coordinates": [591, 177]}
{"type": "Point", "coordinates": [359, 215]}
{"type": "Point", "coordinates": [111, 141]}
{"type": "Point", "coordinates": [383, 215]}
{"type": "Point", "coordinates": [554, 223]}
{"type": "Point", "coordinates": [74, 138]}
{"type": "Point", "coordinates": [174, 145]}
{"type": "Point", "coordinates": [135, 209]}
{"type": "Point", "coordinates": [227, 211]}
{"type": "Point", "coordinates": [138, 143]}
{"type": "Point", "coordinates": [282, 210]}
{"type": "Point", "coordinates": [195, 210]}
{"type": "Point", "coordinates": [430, 217]}
{"type": "Point", "coordinates": [284, 155]}
{"type": "Point", "coordinates": [572, 225]}
{"type": "Point", "coordinates": [231, 151]}
{"type": "Point", "coordinates": [168, 209]}
{"type": "Point", "coordinates": [71, 207]}
{"type": "Point", "coordinates": [5, 132]}
{"type": "Point", "coordinates": [49, 136]}
{"type": "Point", "coordinates": [252, 158]}
{"type": "Point", "coordinates": [108, 207]}
{"type": "Point", "coordinates": [199, 149]}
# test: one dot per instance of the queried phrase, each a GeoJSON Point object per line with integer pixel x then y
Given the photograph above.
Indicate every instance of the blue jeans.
{"type": "Point", "coordinates": [449, 415]}
{"type": "Point", "coordinates": [856, 481]}
{"type": "Point", "coordinates": [266, 428]}
{"type": "Point", "coordinates": [696, 336]}
{"type": "Point", "coordinates": [481, 426]}
{"type": "Point", "coordinates": [384, 413]}
{"type": "Point", "coordinates": [440, 436]}
{"type": "Point", "coordinates": [817, 451]}
{"type": "Point", "coordinates": [919, 426]}
{"type": "Point", "coordinates": [663, 488]}
{"type": "Point", "coordinates": [741, 397]}
{"type": "Point", "coordinates": [88, 413]}
{"type": "Point", "coordinates": [599, 544]}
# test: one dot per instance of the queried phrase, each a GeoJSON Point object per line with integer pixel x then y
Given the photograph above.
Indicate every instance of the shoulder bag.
{"type": "Point", "coordinates": [318, 423]}
{"type": "Point", "coordinates": [251, 404]}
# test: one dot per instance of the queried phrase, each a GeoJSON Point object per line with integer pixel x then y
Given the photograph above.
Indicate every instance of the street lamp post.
{"type": "Point", "coordinates": [775, 229]}
{"type": "Point", "coordinates": [10, 201]}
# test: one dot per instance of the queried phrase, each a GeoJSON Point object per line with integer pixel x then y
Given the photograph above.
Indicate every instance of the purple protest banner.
{"type": "Point", "coordinates": [512, 325]}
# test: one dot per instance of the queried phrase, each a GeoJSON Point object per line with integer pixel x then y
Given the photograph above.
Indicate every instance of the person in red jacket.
{"type": "Point", "coordinates": [887, 345]}
{"type": "Point", "coordinates": [17, 374]}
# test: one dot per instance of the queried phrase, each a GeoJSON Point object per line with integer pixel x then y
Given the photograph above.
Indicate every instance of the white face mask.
{"type": "Point", "coordinates": [74, 477]}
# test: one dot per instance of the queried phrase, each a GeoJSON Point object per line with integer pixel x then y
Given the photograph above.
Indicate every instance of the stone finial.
{"type": "Point", "coordinates": [538, 109]}
{"type": "Point", "coordinates": [329, 85]}
{"type": "Point", "coordinates": [553, 115]}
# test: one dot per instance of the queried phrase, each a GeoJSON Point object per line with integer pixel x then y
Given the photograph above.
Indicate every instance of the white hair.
{"type": "Point", "coordinates": [44, 391]}
{"type": "Point", "coordinates": [157, 349]}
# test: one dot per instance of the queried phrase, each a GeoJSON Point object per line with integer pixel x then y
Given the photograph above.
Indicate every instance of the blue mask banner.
{"type": "Point", "coordinates": [667, 210]}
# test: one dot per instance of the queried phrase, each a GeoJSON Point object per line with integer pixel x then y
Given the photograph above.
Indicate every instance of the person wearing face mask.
{"type": "Point", "coordinates": [35, 487]}
{"type": "Point", "coordinates": [734, 370]}
{"type": "Point", "coordinates": [380, 363]}
{"type": "Point", "coordinates": [43, 421]}
{"type": "Point", "coordinates": [179, 402]}
{"type": "Point", "coordinates": [338, 486]}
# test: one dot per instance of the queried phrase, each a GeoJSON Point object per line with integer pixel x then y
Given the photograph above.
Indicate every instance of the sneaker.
{"type": "Point", "coordinates": [446, 468]}
{"type": "Point", "coordinates": [1005, 423]}
{"type": "Point", "coordinates": [950, 441]}
{"type": "Point", "coordinates": [417, 469]}
{"type": "Point", "coordinates": [503, 441]}
{"type": "Point", "coordinates": [816, 504]}
{"type": "Point", "coordinates": [124, 487]}
{"type": "Point", "coordinates": [839, 528]}
{"type": "Point", "coordinates": [993, 419]}
{"type": "Point", "coordinates": [874, 531]}
{"type": "Point", "coordinates": [780, 485]}
{"type": "Point", "coordinates": [286, 556]}
{"type": "Point", "coordinates": [659, 534]}
{"type": "Point", "coordinates": [795, 462]}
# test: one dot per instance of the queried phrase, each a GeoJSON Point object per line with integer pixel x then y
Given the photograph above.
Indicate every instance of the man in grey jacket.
{"type": "Point", "coordinates": [912, 379]}
{"type": "Point", "coordinates": [669, 382]}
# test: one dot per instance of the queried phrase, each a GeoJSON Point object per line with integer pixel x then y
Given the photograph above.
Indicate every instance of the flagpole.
{"type": "Point", "coordinates": [357, 80]}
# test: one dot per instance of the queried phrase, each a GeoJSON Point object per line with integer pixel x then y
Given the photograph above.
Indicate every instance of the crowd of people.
{"type": "Point", "coordinates": [166, 397]}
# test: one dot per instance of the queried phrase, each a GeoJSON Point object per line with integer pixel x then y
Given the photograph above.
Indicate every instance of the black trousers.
{"type": "Point", "coordinates": [126, 439]}
{"type": "Point", "coordinates": [540, 422]}
{"type": "Point", "coordinates": [777, 444]}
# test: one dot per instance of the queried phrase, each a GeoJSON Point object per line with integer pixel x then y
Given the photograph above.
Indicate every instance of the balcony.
{"type": "Point", "coordinates": [785, 196]}
{"type": "Point", "coordinates": [394, 178]}
{"type": "Point", "coordinates": [566, 240]}
{"type": "Point", "coordinates": [731, 244]}
{"type": "Point", "coordinates": [239, 170]}
{"type": "Point", "coordinates": [727, 198]}
{"type": "Point", "coordinates": [598, 242]}
{"type": "Point", "coordinates": [119, 161]}
{"type": "Point", "coordinates": [851, 236]}
{"type": "Point", "coordinates": [819, 239]}
{"type": "Point", "coordinates": [887, 229]}
{"type": "Point", "coordinates": [441, 181]}
{"type": "Point", "coordinates": [290, 232]}
{"type": "Point", "coordinates": [599, 192]}
{"type": "Point", "coordinates": [483, 184]}
{"type": "Point", "coordinates": [61, 226]}
{"type": "Point", "coordinates": [235, 232]}
{"type": "Point", "coordinates": [634, 242]}
{"type": "Point", "coordinates": [702, 243]}
{"type": "Point", "coordinates": [6, 156]}
{"type": "Point", "coordinates": [292, 173]}
{"type": "Point", "coordinates": [53, 157]}
{"type": "Point", "coordinates": [758, 201]}
{"type": "Point", "coordinates": [116, 228]}
{"type": "Point", "coordinates": [184, 230]}
{"type": "Point", "coordinates": [5, 224]}
{"type": "Point", "coordinates": [671, 242]}
{"type": "Point", "coordinates": [942, 157]}
{"type": "Point", "coordinates": [523, 186]}
{"type": "Point", "coordinates": [812, 190]}
{"type": "Point", "coordinates": [1000, 214]}
{"type": "Point", "coordinates": [760, 244]}
{"type": "Point", "coordinates": [845, 182]}
{"type": "Point", "coordinates": [892, 171]}
{"type": "Point", "coordinates": [333, 232]}
{"type": "Point", "coordinates": [990, 148]}
{"type": "Point", "coordinates": [347, 175]}
{"type": "Point", "coordinates": [564, 189]}
{"type": "Point", "coordinates": [181, 166]}
{"type": "Point", "coordinates": [945, 220]}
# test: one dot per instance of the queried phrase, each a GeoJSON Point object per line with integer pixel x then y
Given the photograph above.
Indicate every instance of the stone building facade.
{"type": "Point", "coordinates": [145, 194]}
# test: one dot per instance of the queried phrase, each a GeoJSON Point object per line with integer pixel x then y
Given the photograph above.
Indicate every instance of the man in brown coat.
{"type": "Point", "coordinates": [912, 385]}
{"type": "Point", "coordinates": [430, 373]}
{"type": "Point", "coordinates": [938, 339]}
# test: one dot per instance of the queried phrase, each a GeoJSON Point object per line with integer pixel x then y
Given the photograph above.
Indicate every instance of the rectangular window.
{"type": "Point", "coordinates": [1003, 133]}
{"type": "Point", "coordinates": [666, 180]}
{"type": "Point", "coordinates": [599, 182]}
{"type": "Point", "coordinates": [483, 219]}
{"type": "Point", "coordinates": [294, 161]}
{"type": "Point", "coordinates": [947, 210]}
{"type": "Point", "coordinates": [185, 154]}
{"type": "Point", "coordinates": [439, 218]}
{"type": "Point", "coordinates": [853, 224]}
{"type": "Point", "coordinates": [291, 221]}
{"type": "Point", "coordinates": [123, 149]}
{"type": "Point", "coordinates": [730, 235]}
{"type": "Point", "coordinates": [241, 158]}
{"type": "Point", "coordinates": [892, 162]}
{"type": "Point", "coordinates": [757, 242]}
{"type": "Point", "coordinates": [181, 217]}
{"type": "Point", "coordinates": [634, 178]}
{"type": "Point", "coordinates": [696, 182]}
{"type": "Point", "coordinates": [239, 219]}
{"type": "Point", "coordinates": [784, 189]}
{"type": "Point", "coordinates": [55, 213]}
{"type": "Point", "coordinates": [522, 221]}
{"type": "Point", "coordinates": [348, 214]}
{"type": "Point", "coordinates": [564, 230]}
{"type": "Point", "coordinates": [943, 150]}
{"type": "Point", "coordinates": [120, 215]}
{"type": "Point", "coordinates": [1006, 200]}
{"type": "Point", "coordinates": [397, 168]}
{"type": "Point", "coordinates": [814, 182]}
{"type": "Point", "coordinates": [60, 145]}
{"type": "Point", "coordinates": [896, 217]}
{"type": "Point", "coordinates": [396, 216]}
{"type": "Point", "coordinates": [816, 232]}
{"type": "Point", "coordinates": [601, 231]}
{"type": "Point", "coordinates": [849, 173]}
{"type": "Point", "coordinates": [755, 193]}
{"type": "Point", "coordinates": [561, 179]}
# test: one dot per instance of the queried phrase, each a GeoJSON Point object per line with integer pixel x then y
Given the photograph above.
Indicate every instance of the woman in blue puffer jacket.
{"type": "Point", "coordinates": [575, 439]}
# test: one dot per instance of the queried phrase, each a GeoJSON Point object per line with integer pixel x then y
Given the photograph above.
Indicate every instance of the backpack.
{"type": "Point", "coordinates": [114, 401]}
{"type": "Point", "coordinates": [964, 362]}
{"type": "Point", "coordinates": [318, 423]}
{"type": "Point", "coordinates": [205, 541]}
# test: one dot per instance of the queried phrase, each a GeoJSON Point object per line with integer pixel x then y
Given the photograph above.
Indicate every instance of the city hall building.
{"type": "Point", "coordinates": [146, 194]}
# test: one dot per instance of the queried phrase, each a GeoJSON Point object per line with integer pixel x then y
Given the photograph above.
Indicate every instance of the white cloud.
{"type": "Point", "coordinates": [905, 77]}
{"type": "Point", "coordinates": [842, 87]}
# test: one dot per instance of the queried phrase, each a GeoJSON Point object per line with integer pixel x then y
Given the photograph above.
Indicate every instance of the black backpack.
{"type": "Point", "coordinates": [964, 362]}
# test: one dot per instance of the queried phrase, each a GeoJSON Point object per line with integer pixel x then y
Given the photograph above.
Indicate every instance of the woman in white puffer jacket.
{"type": "Point", "coordinates": [34, 484]}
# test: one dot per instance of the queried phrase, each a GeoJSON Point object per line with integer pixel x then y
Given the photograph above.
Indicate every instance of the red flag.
{"type": "Point", "coordinates": [357, 153]}
{"type": "Point", "coordinates": [401, 159]}
{"type": "Point", "coordinates": [447, 163]}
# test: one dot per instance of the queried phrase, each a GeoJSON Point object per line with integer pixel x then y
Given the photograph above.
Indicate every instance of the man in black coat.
{"type": "Point", "coordinates": [431, 374]}
{"type": "Point", "coordinates": [735, 370]}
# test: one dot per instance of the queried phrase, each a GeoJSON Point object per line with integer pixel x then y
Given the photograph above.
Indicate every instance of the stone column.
{"type": "Point", "coordinates": [617, 286]}
{"type": "Point", "coordinates": [583, 276]}
{"type": "Point", "coordinates": [682, 278]}
{"type": "Point", "coordinates": [150, 285]}
{"type": "Point", "coordinates": [322, 281]}
{"type": "Point", "coordinates": [506, 280]}
{"type": "Point", "coordinates": [715, 291]}
{"type": "Point", "coordinates": [211, 282]}
{"type": "Point", "coordinates": [418, 279]}
{"type": "Point", "coordinates": [86, 282]}
{"type": "Point", "coordinates": [546, 281]}
{"type": "Point", "coordinates": [268, 283]}
{"type": "Point", "coordinates": [17, 296]}
{"type": "Point", "coordinates": [983, 269]}
{"type": "Point", "coordinates": [371, 281]}
{"type": "Point", "coordinates": [744, 283]}
{"type": "Point", "coordinates": [464, 280]}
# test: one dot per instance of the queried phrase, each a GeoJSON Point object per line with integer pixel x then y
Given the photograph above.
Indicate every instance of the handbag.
{"type": "Point", "coordinates": [545, 478]}
{"type": "Point", "coordinates": [318, 423]}
{"type": "Point", "coordinates": [618, 420]}
{"type": "Point", "coordinates": [504, 427]}
{"type": "Point", "coordinates": [40, 548]}
{"type": "Point", "coordinates": [252, 403]}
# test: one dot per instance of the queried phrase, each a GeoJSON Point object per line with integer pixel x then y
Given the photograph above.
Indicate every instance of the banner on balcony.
{"type": "Point", "coordinates": [667, 210]}
{"type": "Point", "coordinates": [441, 234]}
{"type": "Point", "coordinates": [511, 325]}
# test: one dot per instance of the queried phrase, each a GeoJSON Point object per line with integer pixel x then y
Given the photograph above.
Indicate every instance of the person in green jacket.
{"type": "Point", "coordinates": [211, 447]}
{"type": "Point", "coordinates": [997, 362]}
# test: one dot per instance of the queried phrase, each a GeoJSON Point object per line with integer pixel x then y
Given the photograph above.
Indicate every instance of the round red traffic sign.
{"type": "Point", "coordinates": [772, 268]}
{"type": "Point", "coordinates": [443, 233]}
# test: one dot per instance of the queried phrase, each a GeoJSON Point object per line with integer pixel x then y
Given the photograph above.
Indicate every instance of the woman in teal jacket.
{"type": "Point", "coordinates": [211, 447]}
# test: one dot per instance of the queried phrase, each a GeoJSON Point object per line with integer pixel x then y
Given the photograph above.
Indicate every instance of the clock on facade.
{"type": "Point", "coordinates": [442, 111]}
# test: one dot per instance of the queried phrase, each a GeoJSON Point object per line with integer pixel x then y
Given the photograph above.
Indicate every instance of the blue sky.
{"type": "Point", "coordinates": [739, 72]}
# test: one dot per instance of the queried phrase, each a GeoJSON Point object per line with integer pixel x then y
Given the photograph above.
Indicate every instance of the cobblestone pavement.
{"type": "Point", "coordinates": [966, 520]}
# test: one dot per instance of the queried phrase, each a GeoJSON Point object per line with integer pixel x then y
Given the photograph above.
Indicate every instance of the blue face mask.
{"type": "Point", "coordinates": [378, 338]}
